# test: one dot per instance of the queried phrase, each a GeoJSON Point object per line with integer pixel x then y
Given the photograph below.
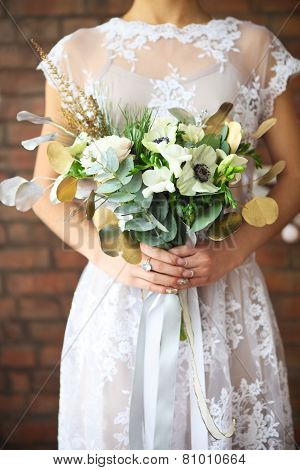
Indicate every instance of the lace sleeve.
{"type": "Point", "coordinates": [80, 56]}
{"type": "Point", "coordinates": [278, 66]}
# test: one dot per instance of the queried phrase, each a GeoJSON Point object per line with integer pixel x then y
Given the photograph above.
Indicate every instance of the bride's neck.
{"type": "Point", "coordinates": [178, 12]}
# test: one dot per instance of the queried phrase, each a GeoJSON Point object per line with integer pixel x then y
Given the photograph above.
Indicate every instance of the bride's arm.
{"type": "Point", "coordinates": [210, 262]}
{"type": "Point", "coordinates": [81, 235]}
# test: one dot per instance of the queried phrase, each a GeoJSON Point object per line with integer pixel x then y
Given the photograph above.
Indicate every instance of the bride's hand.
{"type": "Point", "coordinates": [207, 262]}
{"type": "Point", "coordinates": [165, 276]}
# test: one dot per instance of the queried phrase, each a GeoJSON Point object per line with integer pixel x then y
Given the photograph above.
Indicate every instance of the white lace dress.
{"type": "Point", "coordinates": [196, 67]}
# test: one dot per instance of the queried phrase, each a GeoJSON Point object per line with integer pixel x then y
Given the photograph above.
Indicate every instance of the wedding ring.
{"type": "Point", "coordinates": [146, 266]}
{"type": "Point", "coordinates": [183, 282]}
{"type": "Point", "coordinates": [172, 291]}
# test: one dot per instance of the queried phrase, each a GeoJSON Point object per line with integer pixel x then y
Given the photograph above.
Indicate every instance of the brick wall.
{"type": "Point", "coordinates": [37, 276]}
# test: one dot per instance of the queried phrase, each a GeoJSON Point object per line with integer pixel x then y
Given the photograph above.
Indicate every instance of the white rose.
{"type": "Point", "coordinates": [121, 145]}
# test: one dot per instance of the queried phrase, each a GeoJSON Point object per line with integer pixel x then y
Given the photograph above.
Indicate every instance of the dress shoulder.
{"type": "Point", "coordinates": [78, 55]}
{"type": "Point", "coordinates": [268, 61]}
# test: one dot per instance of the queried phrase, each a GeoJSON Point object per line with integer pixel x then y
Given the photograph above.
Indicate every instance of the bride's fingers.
{"type": "Point", "coordinates": [142, 284]}
{"type": "Point", "coordinates": [164, 268]}
{"type": "Point", "coordinates": [161, 255]}
{"type": "Point", "coordinates": [156, 278]}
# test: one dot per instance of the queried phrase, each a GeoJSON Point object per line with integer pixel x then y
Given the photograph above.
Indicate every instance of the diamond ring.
{"type": "Point", "coordinates": [147, 265]}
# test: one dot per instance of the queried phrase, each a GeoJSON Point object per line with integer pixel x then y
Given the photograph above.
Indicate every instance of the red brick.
{"type": "Point", "coordinates": [42, 29]}
{"type": "Point", "coordinates": [11, 105]}
{"type": "Point", "coordinates": [17, 356]}
{"type": "Point", "coordinates": [50, 355]}
{"type": "Point", "coordinates": [15, 132]}
{"type": "Point", "coordinates": [48, 381]}
{"type": "Point", "coordinates": [12, 403]}
{"type": "Point", "coordinates": [38, 308]}
{"type": "Point", "coordinates": [226, 7]}
{"type": "Point", "coordinates": [47, 332]}
{"type": "Point", "coordinates": [17, 56]}
{"type": "Point", "coordinates": [2, 235]}
{"type": "Point", "coordinates": [273, 255]}
{"type": "Point", "coordinates": [29, 82]}
{"type": "Point", "coordinates": [37, 234]}
{"type": "Point", "coordinates": [271, 6]}
{"type": "Point", "coordinates": [69, 259]}
{"type": "Point", "coordinates": [53, 8]}
{"type": "Point", "coordinates": [24, 258]}
{"type": "Point", "coordinates": [72, 24]}
{"type": "Point", "coordinates": [13, 331]}
{"type": "Point", "coordinates": [19, 381]}
{"type": "Point", "coordinates": [44, 404]}
{"type": "Point", "coordinates": [7, 31]}
{"type": "Point", "coordinates": [44, 283]}
{"type": "Point", "coordinates": [284, 28]}
{"type": "Point", "coordinates": [31, 431]}
{"type": "Point", "coordinates": [17, 159]}
{"type": "Point", "coordinates": [7, 308]}
{"type": "Point", "coordinates": [288, 307]}
{"type": "Point", "coordinates": [283, 281]}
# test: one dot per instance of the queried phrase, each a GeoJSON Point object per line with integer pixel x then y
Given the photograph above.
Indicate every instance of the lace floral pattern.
{"type": "Point", "coordinates": [215, 39]}
{"type": "Point", "coordinates": [171, 92]}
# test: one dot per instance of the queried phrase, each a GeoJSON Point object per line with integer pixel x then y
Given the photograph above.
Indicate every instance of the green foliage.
{"type": "Point", "coordinates": [245, 150]}
{"type": "Point", "coordinates": [76, 170]}
{"type": "Point", "coordinates": [213, 140]}
{"type": "Point", "coordinates": [205, 216]}
{"type": "Point", "coordinates": [138, 121]}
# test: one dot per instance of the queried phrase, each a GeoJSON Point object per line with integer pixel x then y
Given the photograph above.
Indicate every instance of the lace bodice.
{"type": "Point", "coordinates": [198, 66]}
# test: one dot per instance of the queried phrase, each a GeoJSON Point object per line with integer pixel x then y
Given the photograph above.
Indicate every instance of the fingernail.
{"type": "Point", "coordinates": [188, 273]}
{"type": "Point", "coordinates": [172, 291]}
{"type": "Point", "coordinates": [181, 262]}
{"type": "Point", "coordinates": [182, 282]}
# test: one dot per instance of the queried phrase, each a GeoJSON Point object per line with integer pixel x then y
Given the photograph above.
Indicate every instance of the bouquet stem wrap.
{"type": "Point", "coordinates": [153, 392]}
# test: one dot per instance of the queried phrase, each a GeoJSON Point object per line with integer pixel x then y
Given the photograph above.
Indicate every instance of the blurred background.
{"type": "Point", "coordinates": [38, 276]}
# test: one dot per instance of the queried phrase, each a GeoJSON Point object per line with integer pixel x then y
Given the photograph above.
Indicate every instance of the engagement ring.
{"type": "Point", "coordinates": [147, 265]}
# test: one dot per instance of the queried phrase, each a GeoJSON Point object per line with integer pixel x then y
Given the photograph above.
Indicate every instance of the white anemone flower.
{"type": "Point", "coordinates": [162, 133]}
{"type": "Point", "coordinates": [198, 174]}
{"type": "Point", "coordinates": [231, 160]}
{"type": "Point", "coordinates": [175, 156]}
{"type": "Point", "coordinates": [191, 133]}
{"type": "Point", "coordinates": [157, 180]}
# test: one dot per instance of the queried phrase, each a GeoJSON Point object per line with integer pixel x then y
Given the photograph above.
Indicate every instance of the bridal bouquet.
{"type": "Point", "coordinates": [155, 180]}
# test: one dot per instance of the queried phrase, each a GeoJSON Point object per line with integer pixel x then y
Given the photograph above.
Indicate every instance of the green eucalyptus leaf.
{"type": "Point", "coordinates": [142, 201]}
{"type": "Point", "coordinates": [224, 132]}
{"type": "Point", "coordinates": [121, 197]}
{"type": "Point", "coordinates": [212, 140]}
{"type": "Point", "coordinates": [206, 216]}
{"type": "Point", "coordinates": [140, 224]}
{"type": "Point", "coordinates": [135, 183]}
{"type": "Point", "coordinates": [125, 167]}
{"type": "Point", "coordinates": [151, 237]}
{"type": "Point", "coordinates": [112, 161]}
{"type": "Point", "coordinates": [158, 224]}
{"type": "Point", "coordinates": [225, 147]}
{"type": "Point", "coordinates": [171, 225]}
{"type": "Point", "coordinates": [159, 207]}
{"type": "Point", "coordinates": [182, 115]}
{"type": "Point", "coordinates": [109, 187]}
{"type": "Point", "coordinates": [128, 209]}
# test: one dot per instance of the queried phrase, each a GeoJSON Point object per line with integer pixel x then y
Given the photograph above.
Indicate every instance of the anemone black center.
{"type": "Point", "coordinates": [161, 139]}
{"type": "Point", "coordinates": [201, 172]}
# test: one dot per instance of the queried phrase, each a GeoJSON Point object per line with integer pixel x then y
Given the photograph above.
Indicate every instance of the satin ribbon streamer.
{"type": "Point", "coordinates": [153, 392]}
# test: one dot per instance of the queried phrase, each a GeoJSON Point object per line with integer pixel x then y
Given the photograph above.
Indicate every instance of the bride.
{"type": "Point", "coordinates": [166, 53]}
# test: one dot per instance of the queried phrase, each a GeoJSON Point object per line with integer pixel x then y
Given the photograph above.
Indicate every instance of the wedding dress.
{"type": "Point", "coordinates": [197, 67]}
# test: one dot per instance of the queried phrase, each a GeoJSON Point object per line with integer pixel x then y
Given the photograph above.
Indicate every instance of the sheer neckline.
{"type": "Point", "coordinates": [166, 26]}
